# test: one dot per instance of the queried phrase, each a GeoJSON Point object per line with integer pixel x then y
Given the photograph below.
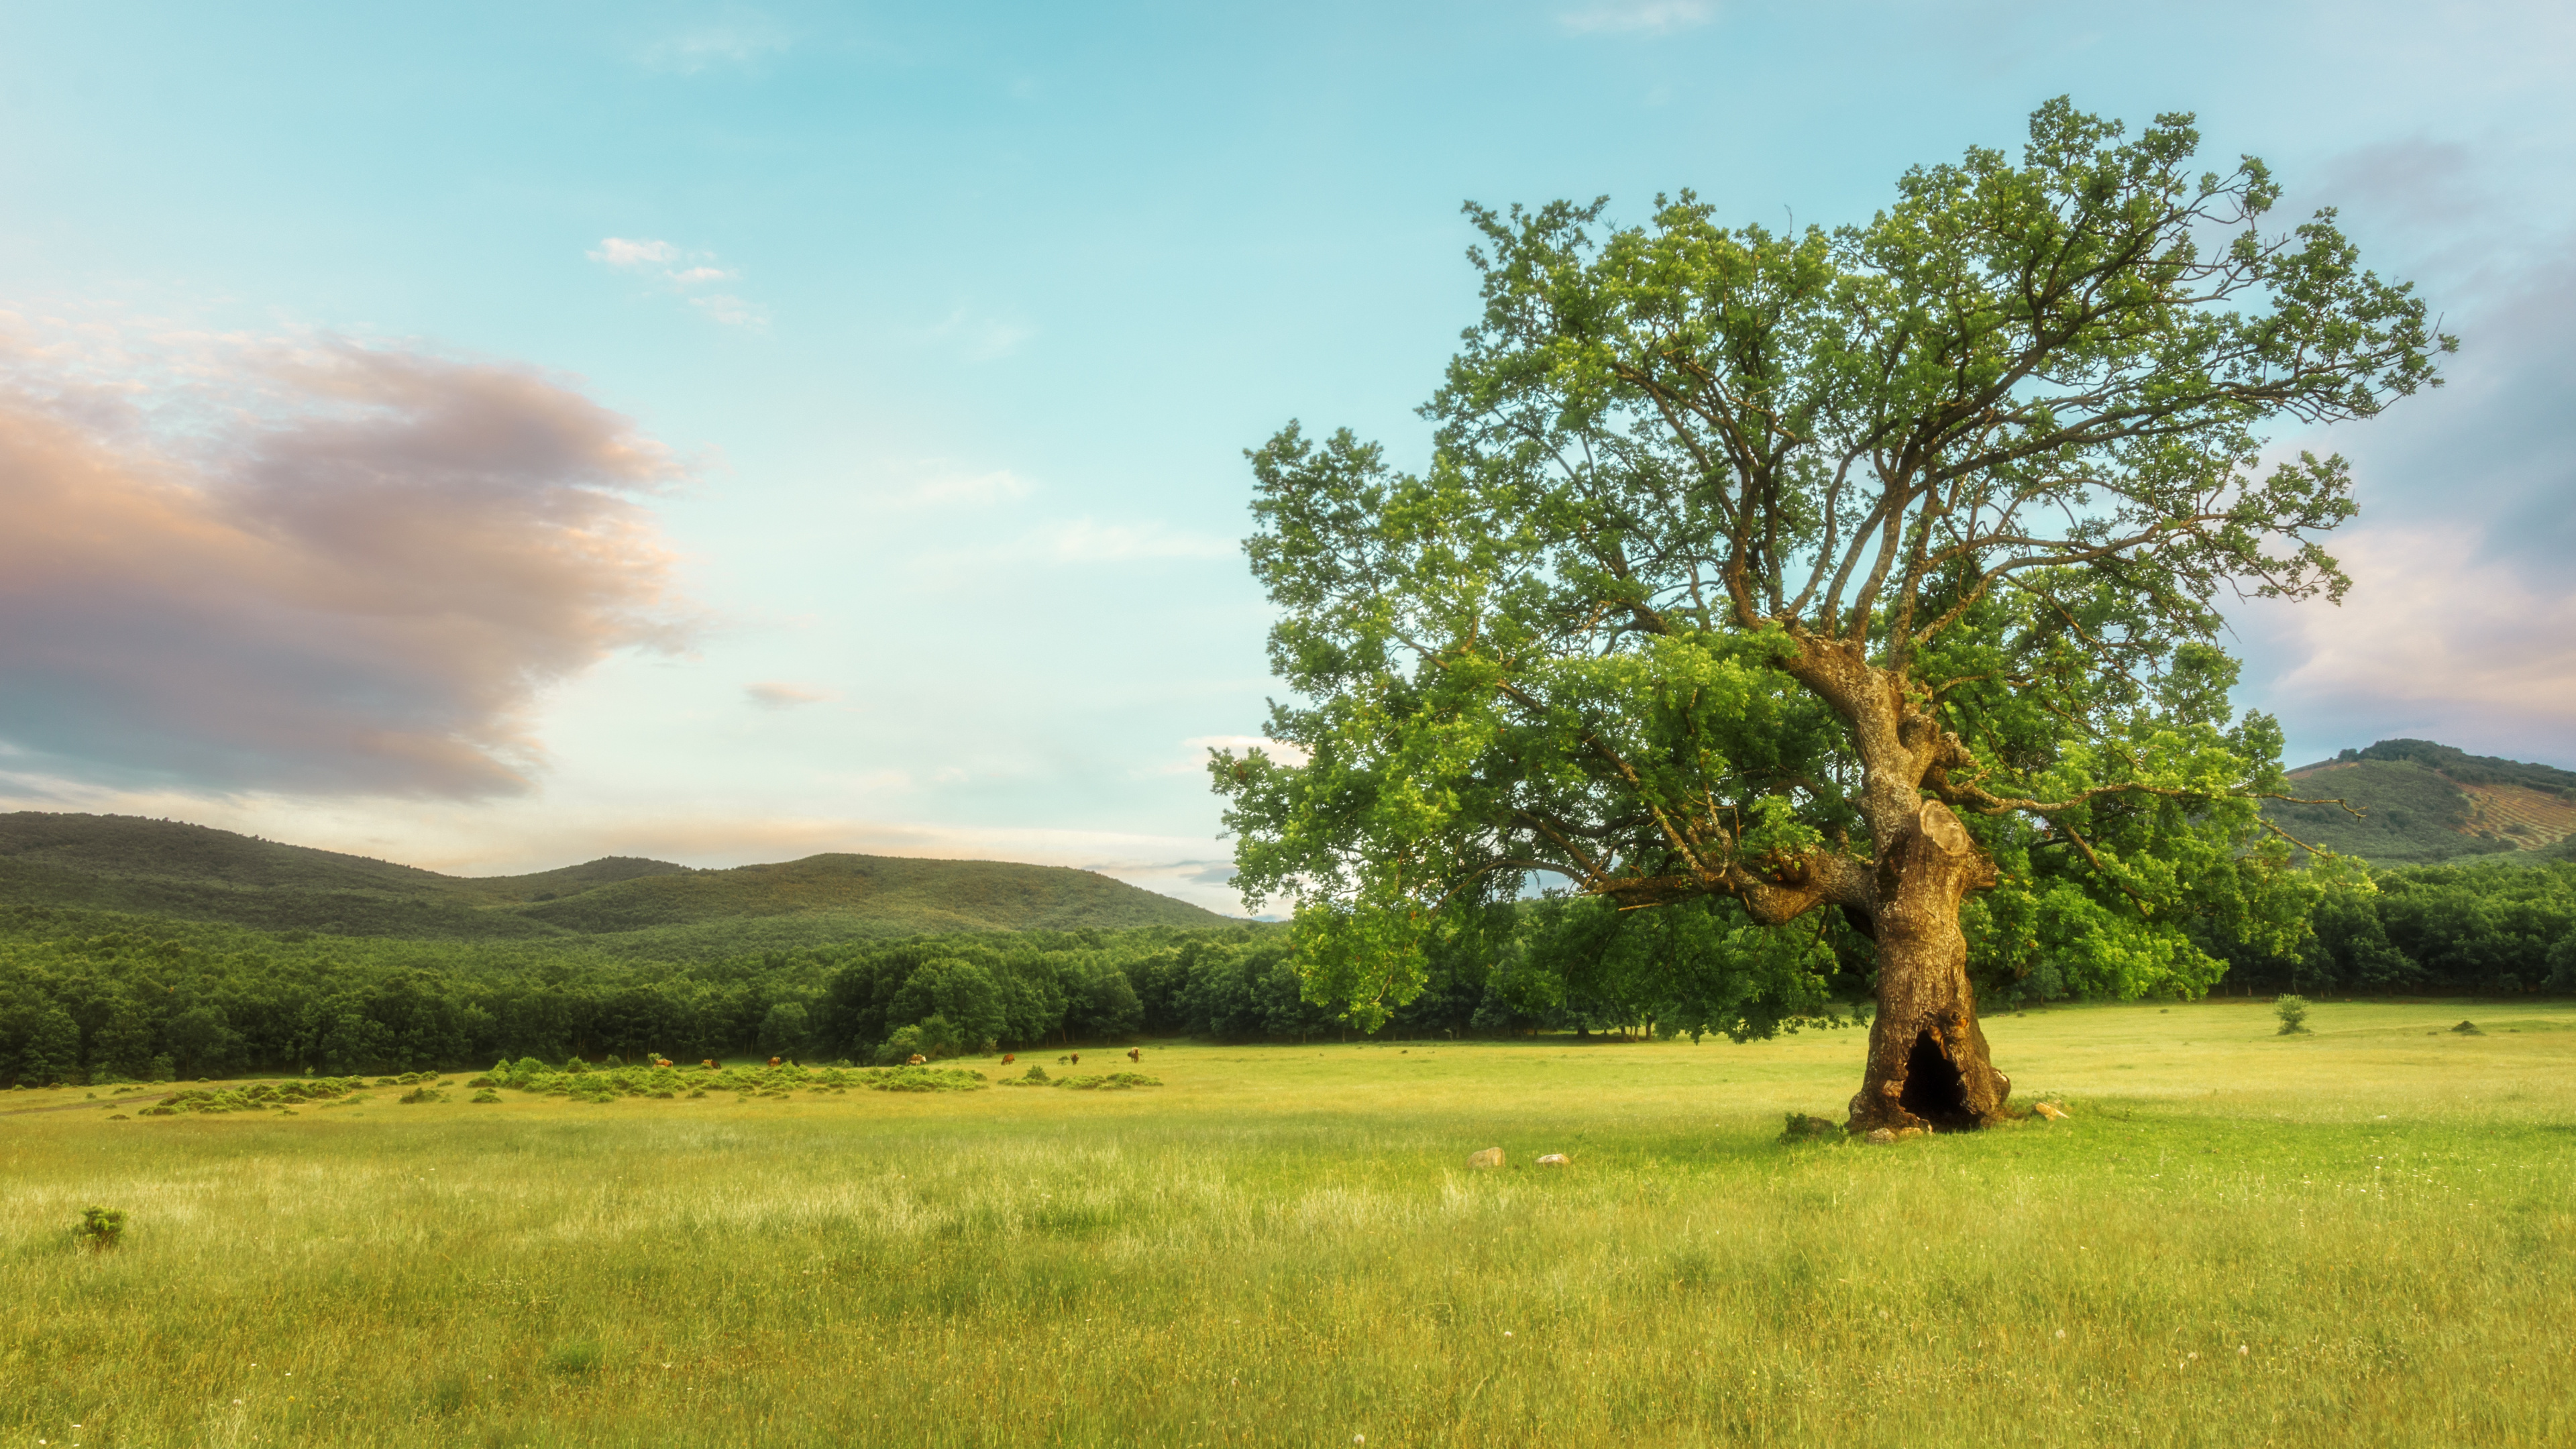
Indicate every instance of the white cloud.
{"type": "Point", "coordinates": [618, 251]}
{"type": "Point", "coordinates": [1084, 541]}
{"type": "Point", "coordinates": [778, 694]}
{"type": "Point", "coordinates": [732, 311]}
{"type": "Point", "coordinates": [1640, 17]}
{"type": "Point", "coordinates": [740, 43]}
{"type": "Point", "coordinates": [972, 490]}
{"type": "Point", "coordinates": [980, 338]}
{"type": "Point", "coordinates": [680, 272]}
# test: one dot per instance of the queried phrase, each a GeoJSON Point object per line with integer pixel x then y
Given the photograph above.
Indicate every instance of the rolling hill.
{"type": "Point", "coordinates": [136, 866]}
{"type": "Point", "coordinates": [2422, 803]}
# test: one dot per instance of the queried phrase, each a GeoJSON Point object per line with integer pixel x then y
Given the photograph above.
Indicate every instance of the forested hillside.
{"type": "Point", "coordinates": [97, 996]}
{"type": "Point", "coordinates": [2419, 803]}
{"type": "Point", "coordinates": [621, 905]}
{"type": "Point", "coordinates": [860, 958]}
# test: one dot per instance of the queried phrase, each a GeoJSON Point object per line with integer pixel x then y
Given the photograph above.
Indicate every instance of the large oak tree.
{"type": "Point", "coordinates": [1856, 585]}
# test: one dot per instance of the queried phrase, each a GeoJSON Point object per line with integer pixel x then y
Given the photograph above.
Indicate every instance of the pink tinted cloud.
{"type": "Point", "coordinates": [778, 694]}
{"type": "Point", "coordinates": [329, 569]}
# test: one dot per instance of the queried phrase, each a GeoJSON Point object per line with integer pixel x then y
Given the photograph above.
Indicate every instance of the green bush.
{"type": "Point", "coordinates": [100, 1229]}
{"type": "Point", "coordinates": [2293, 1011]}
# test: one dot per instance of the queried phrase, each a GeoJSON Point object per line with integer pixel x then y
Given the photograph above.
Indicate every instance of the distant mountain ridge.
{"type": "Point", "coordinates": [2422, 802]}
{"type": "Point", "coordinates": [141, 866]}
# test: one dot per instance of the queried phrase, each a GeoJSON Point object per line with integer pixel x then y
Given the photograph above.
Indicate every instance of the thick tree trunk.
{"type": "Point", "coordinates": [1928, 1065]}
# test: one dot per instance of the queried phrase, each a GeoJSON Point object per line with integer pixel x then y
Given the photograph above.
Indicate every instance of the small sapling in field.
{"type": "Point", "coordinates": [100, 1229]}
{"type": "Point", "coordinates": [2293, 1011]}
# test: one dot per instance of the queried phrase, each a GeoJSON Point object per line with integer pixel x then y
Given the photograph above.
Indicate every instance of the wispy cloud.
{"type": "Point", "coordinates": [1085, 541]}
{"type": "Point", "coordinates": [685, 273]}
{"type": "Point", "coordinates": [1639, 17]}
{"type": "Point", "coordinates": [777, 694]}
{"type": "Point", "coordinates": [981, 338]}
{"type": "Point", "coordinates": [240, 563]}
{"type": "Point", "coordinates": [946, 488]}
{"type": "Point", "coordinates": [738, 43]}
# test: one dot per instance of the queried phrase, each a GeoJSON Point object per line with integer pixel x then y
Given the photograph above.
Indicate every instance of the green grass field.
{"type": "Point", "coordinates": [2365, 1236]}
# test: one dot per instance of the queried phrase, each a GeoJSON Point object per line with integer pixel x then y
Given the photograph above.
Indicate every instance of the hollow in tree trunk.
{"type": "Point", "coordinates": [1928, 1064]}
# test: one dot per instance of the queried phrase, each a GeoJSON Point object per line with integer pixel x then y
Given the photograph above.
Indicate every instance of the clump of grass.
{"type": "Point", "coordinates": [422, 1093]}
{"type": "Point", "coordinates": [930, 1079]}
{"type": "Point", "coordinates": [486, 1095]}
{"type": "Point", "coordinates": [1114, 1081]}
{"type": "Point", "coordinates": [580, 1356]}
{"type": "Point", "coordinates": [1805, 1128]}
{"type": "Point", "coordinates": [2293, 1012]}
{"type": "Point", "coordinates": [2468, 1028]}
{"type": "Point", "coordinates": [99, 1229]}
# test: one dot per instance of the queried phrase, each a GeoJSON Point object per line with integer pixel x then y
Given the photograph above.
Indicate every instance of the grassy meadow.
{"type": "Point", "coordinates": [2364, 1236]}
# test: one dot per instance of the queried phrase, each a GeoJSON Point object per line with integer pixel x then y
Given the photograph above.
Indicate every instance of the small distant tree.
{"type": "Point", "coordinates": [1862, 584]}
{"type": "Point", "coordinates": [2293, 1011]}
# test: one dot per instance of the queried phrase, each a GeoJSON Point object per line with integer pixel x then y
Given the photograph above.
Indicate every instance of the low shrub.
{"type": "Point", "coordinates": [100, 1229]}
{"type": "Point", "coordinates": [2293, 1011]}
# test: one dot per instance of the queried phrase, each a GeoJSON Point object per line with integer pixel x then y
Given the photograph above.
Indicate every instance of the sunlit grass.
{"type": "Point", "coordinates": [2357, 1237]}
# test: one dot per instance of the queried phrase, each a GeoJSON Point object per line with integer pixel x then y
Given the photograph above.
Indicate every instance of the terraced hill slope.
{"type": "Point", "coordinates": [170, 868]}
{"type": "Point", "coordinates": [2420, 802]}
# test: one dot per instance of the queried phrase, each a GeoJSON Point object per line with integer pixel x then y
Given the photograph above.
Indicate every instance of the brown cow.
{"type": "Point", "coordinates": [773, 1061]}
{"type": "Point", "coordinates": [1007, 1059]}
{"type": "Point", "coordinates": [1136, 1054]}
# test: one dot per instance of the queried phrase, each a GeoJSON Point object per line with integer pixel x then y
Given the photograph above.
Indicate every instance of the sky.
{"type": "Point", "coordinates": [495, 436]}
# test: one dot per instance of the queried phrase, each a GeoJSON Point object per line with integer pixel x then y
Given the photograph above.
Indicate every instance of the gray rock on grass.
{"type": "Point", "coordinates": [1491, 1157]}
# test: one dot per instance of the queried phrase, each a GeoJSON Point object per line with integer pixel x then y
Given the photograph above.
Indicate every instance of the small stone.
{"type": "Point", "coordinates": [2049, 1110]}
{"type": "Point", "coordinates": [1491, 1157]}
{"type": "Point", "coordinates": [1556, 1159]}
{"type": "Point", "coordinates": [1880, 1136]}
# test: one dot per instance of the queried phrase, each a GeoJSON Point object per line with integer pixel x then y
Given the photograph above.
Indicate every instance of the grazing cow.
{"type": "Point", "coordinates": [709, 1064]}
{"type": "Point", "coordinates": [916, 1060]}
{"type": "Point", "coordinates": [773, 1061]}
{"type": "Point", "coordinates": [1007, 1059]}
{"type": "Point", "coordinates": [1136, 1054]}
{"type": "Point", "coordinates": [1077, 1059]}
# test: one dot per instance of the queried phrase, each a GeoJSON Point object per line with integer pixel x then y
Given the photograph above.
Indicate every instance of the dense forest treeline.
{"type": "Point", "coordinates": [97, 996]}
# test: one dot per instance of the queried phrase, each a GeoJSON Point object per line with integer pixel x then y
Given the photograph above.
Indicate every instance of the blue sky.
{"type": "Point", "coordinates": [493, 436]}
